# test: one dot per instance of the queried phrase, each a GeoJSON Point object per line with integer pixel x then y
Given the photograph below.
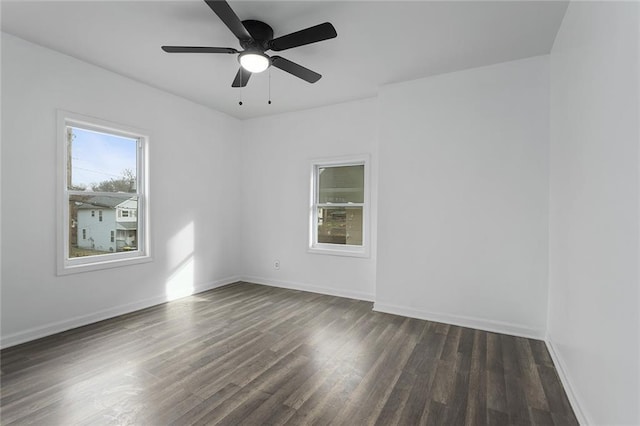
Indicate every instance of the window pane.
{"type": "Point", "coordinates": [344, 184]}
{"type": "Point", "coordinates": [106, 232]}
{"type": "Point", "coordinates": [100, 162]}
{"type": "Point", "coordinates": [340, 225]}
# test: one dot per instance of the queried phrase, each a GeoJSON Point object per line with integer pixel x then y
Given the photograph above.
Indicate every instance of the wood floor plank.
{"type": "Point", "coordinates": [497, 418]}
{"type": "Point", "coordinates": [517, 407]}
{"type": "Point", "coordinates": [452, 341]}
{"type": "Point", "coordinates": [437, 414]}
{"type": "Point", "coordinates": [322, 407]}
{"type": "Point", "coordinates": [556, 397]}
{"type": "Point", "coordinates": [397, 399]}
{"type": "Point", "coordinates": [496, 387]}
{"type": "Point", "coordinates": [529, 373]}
{"type": "Point", "coordinates": [381, 377]}
{"type": "Point", "coordinates": [477, 395]}
{"type": "Point", "coordinates": [246, 354]}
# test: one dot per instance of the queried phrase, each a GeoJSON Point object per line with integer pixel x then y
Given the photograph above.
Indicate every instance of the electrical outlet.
{"type": "Point", "coordinates": [276, 265]}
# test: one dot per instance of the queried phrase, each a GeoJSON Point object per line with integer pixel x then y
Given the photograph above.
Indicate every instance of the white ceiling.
{"type": "Point", "coordinates": [378, 42]}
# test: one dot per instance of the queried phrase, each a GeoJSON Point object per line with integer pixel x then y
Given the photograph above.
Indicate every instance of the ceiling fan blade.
{"type": "Point", "coordinates": [242, 78]}
{"type": "Point", "coordinates": [197, 49]}
{"type": "Point", "coordinates": [307, 36]}
{"type": "Point", "coordinates": [230, 19]}
{"type": "Point", "coordinates": [295, 69]}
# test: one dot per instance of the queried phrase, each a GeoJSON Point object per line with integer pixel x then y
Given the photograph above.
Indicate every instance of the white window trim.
{"type": "Point", "coordinates": [339, 249]}
{"type": "Point", "coordinates": [66, 265]}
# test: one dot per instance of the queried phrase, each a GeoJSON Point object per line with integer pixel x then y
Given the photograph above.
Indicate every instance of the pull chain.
{"type": "Point", "coordinates": [269, 86]}
{"type": "Point", "coordinates": [240, 96]}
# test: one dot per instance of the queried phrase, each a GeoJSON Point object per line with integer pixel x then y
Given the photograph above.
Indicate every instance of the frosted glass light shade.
{"type": "Point", "coordinates": [254, 62]}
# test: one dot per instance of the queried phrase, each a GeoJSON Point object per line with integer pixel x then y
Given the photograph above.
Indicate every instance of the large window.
{"type": "Point", "coordinates": [339, 207]}
{"type": "Point", "coordinates": [103, 169]}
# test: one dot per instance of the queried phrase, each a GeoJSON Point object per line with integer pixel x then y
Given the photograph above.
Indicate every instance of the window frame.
{"type": "Point", "coordinates": [340, 249]}
{"type": "Point", "coordinates": [67, 265]}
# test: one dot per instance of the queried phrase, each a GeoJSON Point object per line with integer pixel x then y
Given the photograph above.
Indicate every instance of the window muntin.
{"type": "Point", "coordinates": [104, 170]}
{"type": "Point", "coordinates": [339, 207]}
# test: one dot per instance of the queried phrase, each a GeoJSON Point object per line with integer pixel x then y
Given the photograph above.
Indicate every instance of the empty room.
{"type": "Point", "coordinates": [317, 212]}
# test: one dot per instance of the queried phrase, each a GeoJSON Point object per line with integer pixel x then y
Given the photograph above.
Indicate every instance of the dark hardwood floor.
{"type": "Point", "coordinates": [248, 355]}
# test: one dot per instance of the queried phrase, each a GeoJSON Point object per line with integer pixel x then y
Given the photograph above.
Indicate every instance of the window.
{"type": "Point", "coordinates": [339, 207]}
{"type": "Point", "coordinates": [102, 168]}
{"type": "Point", "coordinates": [125, 213]}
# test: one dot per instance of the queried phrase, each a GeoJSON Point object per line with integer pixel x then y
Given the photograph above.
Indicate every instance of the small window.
{"type": "Point", "coordinates": [93, 181]}
{"type": "Point", "coordinates": [125, 213]}
{"type": "Point", "coordinates": [339, 207]}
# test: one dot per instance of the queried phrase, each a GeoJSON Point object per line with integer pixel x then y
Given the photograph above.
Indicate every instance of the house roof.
{"type": "Point", "coordinates": [102, 201]}
{"type": "Point", "coordinates": [130, 226]}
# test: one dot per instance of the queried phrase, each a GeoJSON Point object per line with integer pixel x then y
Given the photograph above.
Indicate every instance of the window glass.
{"type": "Point", "coordinates": [101, 162]}
{"type": "Point", "coordinates": [97, 236]}
{"type": "Point", "coordinates": [340, 225]}
{"type": "Point", "coordinates": [343, 184]}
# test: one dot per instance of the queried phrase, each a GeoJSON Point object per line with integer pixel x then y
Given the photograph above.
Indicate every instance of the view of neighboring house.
{"type": "Point", "coordinates": [107, 224]}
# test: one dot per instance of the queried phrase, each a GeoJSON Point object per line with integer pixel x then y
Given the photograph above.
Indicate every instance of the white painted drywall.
{"type": "Point", "coordinates": [593, 322]}
{"type": "Point", "coordinates": [463, 197]}
{"type": "Point", "coordinates": [194, 158]}
{"type": "Point", "coordinates": [276, 173]}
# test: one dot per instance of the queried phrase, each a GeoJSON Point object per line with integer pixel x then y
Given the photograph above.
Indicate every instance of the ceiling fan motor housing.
{"type": "Point", "coordinates": [262, 34]}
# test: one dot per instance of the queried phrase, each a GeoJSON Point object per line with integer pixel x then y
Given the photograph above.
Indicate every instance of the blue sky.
{"type": "Point", "coordinates": [96, 157]}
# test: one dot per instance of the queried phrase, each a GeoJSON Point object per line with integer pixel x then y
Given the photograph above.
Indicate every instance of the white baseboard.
{"type": "Point", "coordinates": [463, 321]}
{"type": "Point", "coordinates": [82, 320]}
{"type": "Point", "coordinates": [310, 288]}
{"type": "Point", "coordinates": [583, 419]}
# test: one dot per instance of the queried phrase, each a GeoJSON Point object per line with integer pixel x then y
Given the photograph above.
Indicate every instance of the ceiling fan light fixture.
{"type": "Point", "coordinates": [254, 62]}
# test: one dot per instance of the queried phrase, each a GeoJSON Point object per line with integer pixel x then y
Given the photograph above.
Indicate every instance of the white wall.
{"type": "Point", "coordinates": [463, 197]}
{"type": "Point", "coordinates": [277, 154]}
{"type": "Point", "coordinates": [194, 158]}
{"type": "Point", "coordinates": [593, 296]}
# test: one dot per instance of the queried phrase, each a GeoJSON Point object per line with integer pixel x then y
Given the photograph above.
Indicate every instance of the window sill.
{"type": "Point", "coordinates": [70, 268]}
{"type": "Point", "coordinates": [334, 250]}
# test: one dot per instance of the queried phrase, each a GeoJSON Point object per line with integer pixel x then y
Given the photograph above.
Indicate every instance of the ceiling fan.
{"type": "Point", "coordinates": [255, 38]}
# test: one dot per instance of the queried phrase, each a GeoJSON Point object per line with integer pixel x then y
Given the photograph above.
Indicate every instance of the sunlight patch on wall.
{"type": "Point", "coordinates": [180, 249]}
{"type": "Point", "coordinates": [180, 284]}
